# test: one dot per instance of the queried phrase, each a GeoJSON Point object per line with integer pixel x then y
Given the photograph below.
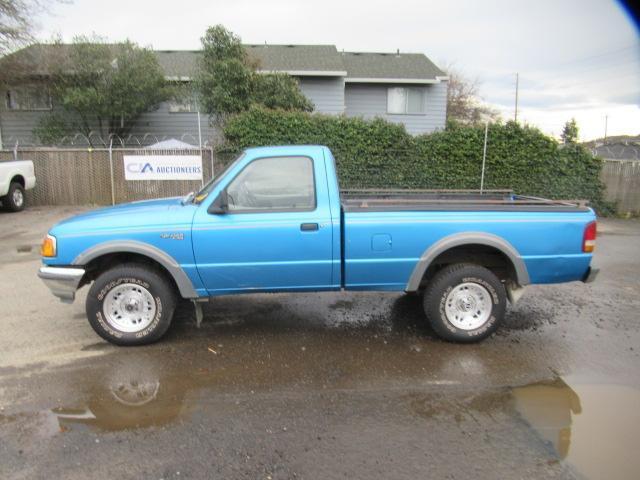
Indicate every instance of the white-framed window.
{"type": "Point", "coordinates": [185, 104]}
{"type": "Point", "coordinates": [406, 100]}
{"type": "Point", "coordinates": [30, 97]}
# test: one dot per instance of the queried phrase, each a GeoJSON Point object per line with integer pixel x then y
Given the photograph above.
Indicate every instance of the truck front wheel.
{"type": "Point", "coordinates": [131, 305]}
{"type": "Point", "coordinates": [465, 303]}
{"type": "Point", "coordinates": [15, 199]}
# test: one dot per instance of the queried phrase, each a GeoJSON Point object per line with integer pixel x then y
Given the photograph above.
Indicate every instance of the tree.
{"type": "Point", "coordinates": [279, 90]}
{"type": "Point", "coordinates": [228, 81]}
{"type": "Point", "coordinates": [103, 87]}
{"type": "Point", "coordinates": [224, 75]}
{"type": "Point", "coordinates": [16, 22]}
{"type": "Point", "coordinates": [463, 102]}
{"type": "Point", "coordinates": [570, 132]}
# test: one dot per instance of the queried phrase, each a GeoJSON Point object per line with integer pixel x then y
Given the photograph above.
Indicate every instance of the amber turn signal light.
{"type": "Point", "coordinates": [48, 247]}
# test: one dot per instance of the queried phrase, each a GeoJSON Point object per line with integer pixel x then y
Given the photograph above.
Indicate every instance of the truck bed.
{"type": "Point", "coordinates": [452, 200]}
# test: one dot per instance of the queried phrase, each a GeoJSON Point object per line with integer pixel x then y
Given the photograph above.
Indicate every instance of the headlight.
{"type": "Point", "coordinates": [48, 248]}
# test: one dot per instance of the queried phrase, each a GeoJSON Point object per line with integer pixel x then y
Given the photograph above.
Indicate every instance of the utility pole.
{"type": "Point", "coordinates": [517, 82]}
{"type": "Point", "coordinates": [606, 122]}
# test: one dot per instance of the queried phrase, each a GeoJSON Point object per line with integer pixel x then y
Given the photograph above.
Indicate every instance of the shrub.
{"type": "Point", "coordinates": [380, 154]}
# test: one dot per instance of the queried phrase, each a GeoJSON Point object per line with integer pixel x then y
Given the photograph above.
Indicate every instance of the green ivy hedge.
{"type": "Point", "coordinates": [380, 154]}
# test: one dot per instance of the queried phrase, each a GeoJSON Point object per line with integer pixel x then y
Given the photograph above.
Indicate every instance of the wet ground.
{"type": "Point", "coordinates": [322, 385]}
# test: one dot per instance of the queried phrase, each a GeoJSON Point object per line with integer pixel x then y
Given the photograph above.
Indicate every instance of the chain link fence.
{"type": "Point", "coordinates": [84, 176]}
{"type": "Point", "coordinates": [77, 176]}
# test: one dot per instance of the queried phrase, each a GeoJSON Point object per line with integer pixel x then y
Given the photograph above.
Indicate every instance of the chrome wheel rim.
{"type": "Point", "coordinates": [129, 308]}
{"type": "Point", "coordinates": [17, 197]}
{"type": "Point", "coordinates": [135, 394]}
{"type": "Point", "coordinates": [468, 306]}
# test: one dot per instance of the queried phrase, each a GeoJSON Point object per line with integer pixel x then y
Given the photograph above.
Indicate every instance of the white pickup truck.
{"type": "Point", "coordinates": [15, 178]}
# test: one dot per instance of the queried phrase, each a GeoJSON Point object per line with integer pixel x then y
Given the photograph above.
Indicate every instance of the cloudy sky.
{"type": "Point", "coordinates": [575, 58]}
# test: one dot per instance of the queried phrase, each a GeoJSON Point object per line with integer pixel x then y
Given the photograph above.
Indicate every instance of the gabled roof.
{"type": "Point", "coordinates": [306, 59]}
{"type": "Point", "coordinates": [381, 67]}
{"type": "Point", "coordinates": [298, 60]}
{"type": "Point", "coordinates": [294, 59]}
{"type": "Point", "coordinates": [178, 64]}
{"type": "Point", "coordinates": [35, 59]}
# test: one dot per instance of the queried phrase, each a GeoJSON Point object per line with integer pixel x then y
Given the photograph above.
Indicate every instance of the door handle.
{"type": "Point", "coordinates": [309, 227]}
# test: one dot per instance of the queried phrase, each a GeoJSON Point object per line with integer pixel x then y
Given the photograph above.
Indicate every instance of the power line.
{"type": "Point", "coordinates": [593, 81]}
{"type": "Point", "coordinates": [624, 69]}
{"type": "Point", "coordinates": [604, 54]}
{"type": "Point", "coordinates": [614, 63]}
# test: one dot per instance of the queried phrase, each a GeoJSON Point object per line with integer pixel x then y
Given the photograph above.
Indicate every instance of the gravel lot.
{"type": "Point", "coordinates": [322, 385]}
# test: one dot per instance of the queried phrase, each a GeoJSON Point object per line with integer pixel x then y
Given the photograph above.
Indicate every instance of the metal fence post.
{"type": "Point", "coordinates": [484, 156]}
{"type": "Point", "coordinates": [113, 193]}
{"type": "Point", "coordinates": [212, 172]}
{"type": "Point", "coordinates": [202, 169]}
{"type": "Point", "coordinates": [199, 131]}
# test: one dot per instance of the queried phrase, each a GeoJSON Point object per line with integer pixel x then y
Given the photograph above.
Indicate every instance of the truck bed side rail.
{"type": "Point", "coordinates": [500, 200]}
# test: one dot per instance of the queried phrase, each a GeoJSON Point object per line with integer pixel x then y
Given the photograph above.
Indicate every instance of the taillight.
{"type": "Point", "coordinates": [589, 239]}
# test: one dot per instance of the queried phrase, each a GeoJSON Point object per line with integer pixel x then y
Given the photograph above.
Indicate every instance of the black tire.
{"type": "Point", "coordinates": [9, 201]}
{"type": "Point", "coordinates": [441, 287]}
{"type": "Point", "coordinates": [154, 282]}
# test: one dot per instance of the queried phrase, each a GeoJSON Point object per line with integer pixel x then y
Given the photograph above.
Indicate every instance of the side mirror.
{"type": "Point", "coordinates": [220, 205]}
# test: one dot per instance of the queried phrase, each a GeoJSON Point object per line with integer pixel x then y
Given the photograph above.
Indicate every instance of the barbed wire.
{"type": "Point", "coordinates": [96, 140]}
{"type": "Point", "coordinates": [619, 150]}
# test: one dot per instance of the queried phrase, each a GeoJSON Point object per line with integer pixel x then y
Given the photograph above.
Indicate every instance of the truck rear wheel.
{"type": "Point", "coordinates": [131, 305]}
{"type": "Point", "coordinates": [465, 303]}
{"type": "Point", "coordinates": [15, 199]}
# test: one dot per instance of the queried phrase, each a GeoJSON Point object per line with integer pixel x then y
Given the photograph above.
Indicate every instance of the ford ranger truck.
{"type": "Point", "coordinates": [275, 221]}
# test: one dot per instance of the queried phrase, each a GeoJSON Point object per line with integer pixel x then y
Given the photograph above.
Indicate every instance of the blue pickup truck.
{"type": "Point", "coordinates": [275, 221]}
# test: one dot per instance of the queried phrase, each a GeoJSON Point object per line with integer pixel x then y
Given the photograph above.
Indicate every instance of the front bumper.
{"type": "Point", "coordinates": [591, 275]}
{"type": "Point", "coordinates": [62, 281]}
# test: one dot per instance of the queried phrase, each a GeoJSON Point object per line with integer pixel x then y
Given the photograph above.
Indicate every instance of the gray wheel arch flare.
{"type": "Point", "coordinates": [468, 238]}
{"type": "Point", "coordinates": [131, 246]}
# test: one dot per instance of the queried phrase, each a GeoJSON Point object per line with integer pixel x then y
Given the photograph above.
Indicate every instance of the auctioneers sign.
{"type": "Point", "coordinates": [163, 167]}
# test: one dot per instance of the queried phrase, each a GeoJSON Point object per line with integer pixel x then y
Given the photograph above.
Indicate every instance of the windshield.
{"type": "Point", "coordinates": [204, 191]}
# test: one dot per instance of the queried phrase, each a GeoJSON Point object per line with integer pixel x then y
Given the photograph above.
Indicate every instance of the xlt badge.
{"type": "Point", "coordinates": [172, 236]}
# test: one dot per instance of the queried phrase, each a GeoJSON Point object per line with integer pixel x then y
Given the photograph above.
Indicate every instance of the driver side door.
{"type": "Point", "coordinates": [275, 233]}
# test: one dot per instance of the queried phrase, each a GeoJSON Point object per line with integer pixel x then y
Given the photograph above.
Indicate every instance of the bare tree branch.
{"type": "Point", "coordinates": [464, 103]}
{"type": "Point", "coordinates": [17, 22]}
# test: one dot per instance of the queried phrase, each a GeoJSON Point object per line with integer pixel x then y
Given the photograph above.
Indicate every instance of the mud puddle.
{"type": "Point", "coordinates": [282, 351]}
{"type": "Point", "coordinates": [593, 427]}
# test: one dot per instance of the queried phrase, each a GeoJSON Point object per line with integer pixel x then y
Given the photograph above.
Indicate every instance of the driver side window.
{"type": "Point", "coordinates": [273, 184]}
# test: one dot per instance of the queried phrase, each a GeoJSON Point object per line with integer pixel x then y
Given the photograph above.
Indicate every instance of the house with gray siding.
{"type": "Point", "coordinates": [404, 88]}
